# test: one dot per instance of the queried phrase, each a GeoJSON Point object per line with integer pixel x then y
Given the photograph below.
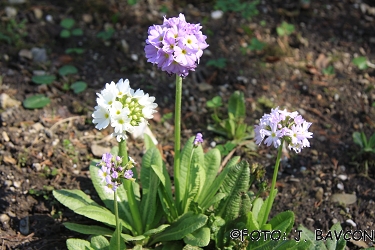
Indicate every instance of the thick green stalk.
{"type": "Point", "coordinates": [129, 191]}
{"type": "Point", "coordinates": [271, 198]}
{"type": "Point", "coordinates": [118, 230]}
{"type": "Point", "coordinates": [177, 142]}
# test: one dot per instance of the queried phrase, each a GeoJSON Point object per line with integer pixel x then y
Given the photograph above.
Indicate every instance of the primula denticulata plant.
{"type": "Point", "coordinates": [207, 207]}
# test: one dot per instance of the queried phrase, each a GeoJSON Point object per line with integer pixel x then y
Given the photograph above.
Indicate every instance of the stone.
{"type": "Point", "coordinates": [347, 199]}
{"type": "Point", "coordinates": [11, 12]}
{"type": "Point", "coordinates": [7, 102]}
{"type": "Point", "coordinates": [25, 53]}
{"type": "Point", "coordinates": [98, 150]}
{"type": "Point", "coordinates": [38, 13]}
{"type": "Point", "coordinates": [217, 14]}
{"type": "Point", "coordinates": [39, 54]}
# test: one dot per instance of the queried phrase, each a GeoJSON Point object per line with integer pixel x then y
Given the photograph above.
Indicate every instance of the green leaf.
{"type": "Point", "coordinates": [160, 229]}
{"type": "Point", "coordinates": [74, 50]}
{"type": "Point", "coordinates": [309, 236]}
{"type": "Point", "coordinates": [67, 23]}
{"type": "Point", "coordinates": [113, 244]}
{"type": "Point", "coordinates": [257, 45]}
{"type": "Point", "coordinates": [46, 79]}
{"type": "Point", "coordinates": [97, 213]}
{"type": "Point", "coordinates": [78, 87]}
{"type": "Point", "coordinates": [199, 238]}
{"type": "Point", "coordinates": [106, 35]}
{"type": "Point", "coordinates": [283, 221]}
{"type": "Point", "coordinates": [67, 70]}
{"type": "Point", "coordinates": [165, 193]}
{"type": "Point", "coordinates": [215, 102]}
{"type": "Point", "coordinates": [190, 156]}
{"type": "Point", "coordinates": [360, 62]}
{"type": "Point", "coordinates": [77, 32]}
{"type": "Point", "coordinates": [78, 244]}
{"type": "Point", "coordinates": [99, 242]}
{"type": "Point", "coordinates": [236, 105]}
{"type": "Point", "coordinates": [150, 183]}
{"type": "Point", "coordinates": [212, 160]}
{"type": "Point", "coordinates": [36, 101]}
{"type": "Point", "coordinates": [358, 139]}
{"type": "Point", "coordinates": [371, 142]}
{"type": "Point", "coordinates": [334, 244]}
{"type": "Point", "coordinates": [237, 182]}
{"type": "Point", "coordinates": [88, 229]}
{"type": "Point", "coordinates": [185, 224]}
{"type": "Point", "coordinates": [65, 33]}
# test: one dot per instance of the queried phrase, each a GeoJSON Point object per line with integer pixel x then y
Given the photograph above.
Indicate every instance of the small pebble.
{"type": "Point", "coordinates": [217, 14]}
{"type": "Point", "coordinates": [17, 184]}
{"type": "Point", "coordinates": [342, 177]}
{"type": "Point", "coordinates": [334, 221]}
{"type": "Point", "coordinates": [340, 186]}
{"type": "Point", "coordinates": [213, 144]}
{"type": "Point", "coordinates": [4, 218]}
{"type": "Point", "coordinates": [24, 226]}
{"type": "Point", "coordinates": [351, 222]}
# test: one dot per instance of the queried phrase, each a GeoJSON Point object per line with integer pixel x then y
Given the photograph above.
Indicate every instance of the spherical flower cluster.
{"type": "Point", "coordinates": [176, 46]}
{"type": "Point", "coordinates": [112, 173]}
{"type": "Point", "coordinates": [281, 125]}
{"type": "Point", "coordinates": [122, 108]}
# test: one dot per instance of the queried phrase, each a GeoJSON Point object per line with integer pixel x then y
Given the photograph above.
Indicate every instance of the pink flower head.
{"type": "Point", "coordinates": [175, 46]}
{"type": "Point", "coordinates": [281, 125]}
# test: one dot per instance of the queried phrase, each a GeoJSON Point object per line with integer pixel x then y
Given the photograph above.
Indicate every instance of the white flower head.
{"type": "Point", "coordinates": [101, 117]}
{"type": "Point", "coordinates": [122, 108]}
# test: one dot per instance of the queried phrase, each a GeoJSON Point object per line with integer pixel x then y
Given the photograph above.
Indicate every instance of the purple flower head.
{"type": "Point", "coordinates": [281, 125]}
{"type": "Point", "coordinates": [175, 46]}
{"type": "Point", "coordinates": [128, 174]}
{"type": "Point", "coordinates": [198, 139]}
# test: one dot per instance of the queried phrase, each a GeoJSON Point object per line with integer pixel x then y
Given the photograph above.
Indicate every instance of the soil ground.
{"type": "Point", "coordinates": [50, 148]}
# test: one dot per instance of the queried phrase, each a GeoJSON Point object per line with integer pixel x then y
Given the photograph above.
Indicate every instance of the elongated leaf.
{"type": "Point", "coordinates": [261, 215]}
{"type": "Point", "coordinates": [199, 238]}
{"type": "Point", "coordinates": [237, 182]}
{"type": "Point", "coordinates": [108, 197]}
{"type": "Point", "coordinates": [257, 205]}
{"type": "Point", "coordinates": [73, 199]}
{"type": "Point", "coordinates": [189, 156]}
{"type": "Point", "coordinates": [36, 101]}
{"type": "Point", "coordinates": [193, 187]}
{"type": "Point", "coordinates": [97, 213]}
{"type": "Point", "coordinates": [371, 142]}
{"type": "Point", "coordinates": [99, 242]}
{"type": "Point", "coordinates": [212, 202]}
{"type": "Point", "coordinates": [357, 139]}
{"type": "Point", "coordinates": [211, 167]}
{"type": "Point", "coordinates": [45, 79]}
{"type": "Point", "coordinates": [309, 236]}
{"type": "Point", "coordinates": [78, 244]}
{"type": "Point", "coordinates": [150, 182]}
{"type": "Point", "coordinates": [89, 229]}
{"type": "Point", "coordinates": [283, 221]}
{"type": "Point", "coordinates": [160, 229]}
{"type": "Point", "coordinates": [236, 105]}
{"type": "Point", "coordinates": [208, 193]}
{"type": "Point", "coordinates": [165, 193]}
{"type": "Point", "coordinates": [185, 224]}
{"type": "Point", "coordinates": [117, 241]}
{"type": "Point", "coordinates": [148, 142]}
{"type": "Point", "coordinates": [334, 243]}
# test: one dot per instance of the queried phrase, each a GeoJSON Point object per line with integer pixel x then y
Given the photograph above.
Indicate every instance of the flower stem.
{"type": "Point", "coordinates": [129, 191]}
{"type": "Point", "coordinates": [118, 229]}
{"type": "Point", "coordinates": [272, 196]}
{"type": "Point", "coordinates": [177, 137]}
